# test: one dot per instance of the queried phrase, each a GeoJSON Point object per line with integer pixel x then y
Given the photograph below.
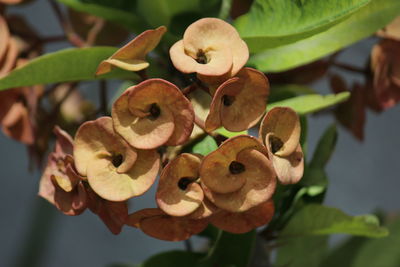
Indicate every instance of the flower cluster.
{"type": "Point", "coordinates": [117, 158]}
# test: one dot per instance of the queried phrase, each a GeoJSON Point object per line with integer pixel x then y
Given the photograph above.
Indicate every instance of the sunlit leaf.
{"type": "Point", "coordinates": [75, 64]}
{"type": "Point", "coordinates": [205, 146]}
{"type": "Point", "coordinates": [271, 23]}
{"type": "Point", "coordinates": [361, 24]}
{"type": "Point", "coordinates": [311, 103]}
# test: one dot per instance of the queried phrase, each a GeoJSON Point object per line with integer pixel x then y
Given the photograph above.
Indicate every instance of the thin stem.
{"type": "Point", "coordinates": [200, 123]}
{"type": "Point", "coordinates": [94, 32]}
{"type": "Point", "coordinates": [66, 25]}
{"type": "Point", "coordinates": [188, 245]}
{"type": "Point", "coordinates": [103, 97]}
{"type": "Point", "coordinates": [142, 74]}
{"type": "Point", "coordinates": [189, 89]}
{"type": "Point", "coordinates": [349, 67]}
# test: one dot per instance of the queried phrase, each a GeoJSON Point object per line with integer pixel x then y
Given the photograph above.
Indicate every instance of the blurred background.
{"type": "Point", "coordinates": [363, 177]}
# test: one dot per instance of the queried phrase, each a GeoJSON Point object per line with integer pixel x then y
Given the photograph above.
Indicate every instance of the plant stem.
{"type": "Point", "coordinates": [200, 123]}
{"type": "Point", "coordinates": [349, 68]}
{"type": "Point", "coordinates": [66, 25]}
{"type": "Point", "coordinates": [103, 97]}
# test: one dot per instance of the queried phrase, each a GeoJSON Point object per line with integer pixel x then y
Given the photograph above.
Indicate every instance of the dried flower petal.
{"type": "Point", "coordinates": [239, 103]}
{"type": "Point", "coordinates": [178, 193]}
{"type": "Point", "coordinates": [259, 184]}
{"type": "Point", "coordinates": [243, 222]}
{"type": "Point", "coordinates": [115, 170]}
{"type": "Point", "coordinates": [156, 223]}
{"type": "Point", "coordinates": [132, 55]}
{"type": "Point", "coordinates": [153, 113]}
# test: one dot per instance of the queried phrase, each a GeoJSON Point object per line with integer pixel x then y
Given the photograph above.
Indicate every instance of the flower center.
{"type": "Point", "coordinates": [201, 57]}
{"type": "Point", "coordinates": [184, 182]}
{"type": "Point", "coordinates": [275, 143]}
{"type": "Point", "coordinates": [117, 160]}
{"type": "Point", "coordinates": [236, 167]}
{"type": "Point", "coordinates": [227, 100]}
{"type": "Point", "coordinates": [154, 111]}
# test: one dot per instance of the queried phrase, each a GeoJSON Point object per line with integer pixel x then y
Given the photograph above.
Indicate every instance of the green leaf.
{"type": "Point", "coordinates": [311, 103]}
{"type": "Point", "coordinates": [271, 23]}
{"type": "Point", "coordinates": [232, 250]}
{"type": "Point", "coordinates": [281, 92]}
{"type": "Point", "coordinates": [304, 251]}
{"type": "Point", "coordinates": [384, 252]}
{"type": "Point", "coordinates": [205, 146]}
{"type": "Point", "coordinates": [75, 64]}
{"type": "Point", "coordinates": [228, 134]}
{"type": "Point", "coordinates": [361, 24]}
{"type": "Point", "coordinates": [344, 254]}
{"type": "Point", "coordinates": [316, 219]}
{"type": "Point", "coordinates": [121, 12]}
{"type": "Point", "coordinates": [176, 258]}
{"type": "Point", "coordinates": [325, 147]}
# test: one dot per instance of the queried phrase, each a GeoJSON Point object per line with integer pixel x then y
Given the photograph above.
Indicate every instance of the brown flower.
{"type": "Point", "coordinates": [114, 170]}
{"type": "Point", "coordinates": [385, 64]}
{"type": "Point", "coordinates": [113, 214]}
{"type": "Point", "coordinates": [178, 193]}
{"type": "Point", "coordinates": [240, 102]}
{"type": "Point", "coordinates": [243, 222]}
{"type": "Point", "coordinates": [132, 55]}
{"type": "Point", "coordinates": [238, 175]}
{"type": "Point", "coordinates": [212, 48]}
{"type": "Point", "coordinates": [156, 223]}
{"type": "Point", "coordinates": [280, 132]}
{"type": "Point", "coordinates": [153, 113]}
{"type": "Point", "coordinates": [60, 184]}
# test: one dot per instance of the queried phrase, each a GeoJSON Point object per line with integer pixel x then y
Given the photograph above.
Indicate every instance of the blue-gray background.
{"type": "Point", "coordinates": [362, 176]}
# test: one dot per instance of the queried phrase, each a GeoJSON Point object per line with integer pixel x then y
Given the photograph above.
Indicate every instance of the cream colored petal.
{"type": "Point", "coordinates": [250, 93]}
{"type": "Point", "coordinates": [289, 169]}
{"type": "Point", "coordinates": [259, 187]}
{"type": "Point", "coordinates": [284, 123]}
{"type": "Point", "coordinates": [111, 185]}
{"type": "Point", "coordinates": [214, 170]}
{"type": "Point", "coordinates": [178, 194]}
{"type": "Point", "coordinates": [126, 64]}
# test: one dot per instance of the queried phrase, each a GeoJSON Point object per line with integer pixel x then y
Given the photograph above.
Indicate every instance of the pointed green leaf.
{"type": "Point", "coordinates": [325, 147]}
{"type": "Point", "coordinates": [75, 64]}
{"type": "Point", "coordinates": [304, 251]}
{"type": "Point", "coordinates": [384, 252]}
{"type": "Point", "coordinates": [361, 24]}
{"type": "Point", "coordinates": [228, 134]}
{"type": "Point", "coordinates": [310, 103]}
{"type": "Point", "coordinates": [271, 23]}
{"type": "Point", "coordinates": [316, 219]}
{"type": "Point", "coordinates": [233, 250]}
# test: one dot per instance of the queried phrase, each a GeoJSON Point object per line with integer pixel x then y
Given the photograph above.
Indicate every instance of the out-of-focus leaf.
{"type": "Point", "coordinates": [344, 254]}
{"type": "Point", "coordinates": [271, 23]}
{"type": "Point", "coordinates": [228, 134]}
{"type": "Point", "coordinates": [176, 258]}
{"type": "Point", "coordinates": [121, 12]}
{"type": "Point", "coordinates": [384, 252]}
{"type": "Point", "coordinates": [205, 146]}
{"type": "Point", "coordinates": [311, 103]}
{"type": "Point", "coordinates": [316, 219]}
{"type": "Point", "coordinates": [325, 147]}
{"type": "Point", "coordinates": [233, 250]}
{"type": "Point", "coordinates": [281, 92]}
{"type": "Point", "coordinates": [304, 251]}
{"type": "Point", "coordinates": [361, 24]}
{"type": "Point", "coordinates": [75, 64]}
